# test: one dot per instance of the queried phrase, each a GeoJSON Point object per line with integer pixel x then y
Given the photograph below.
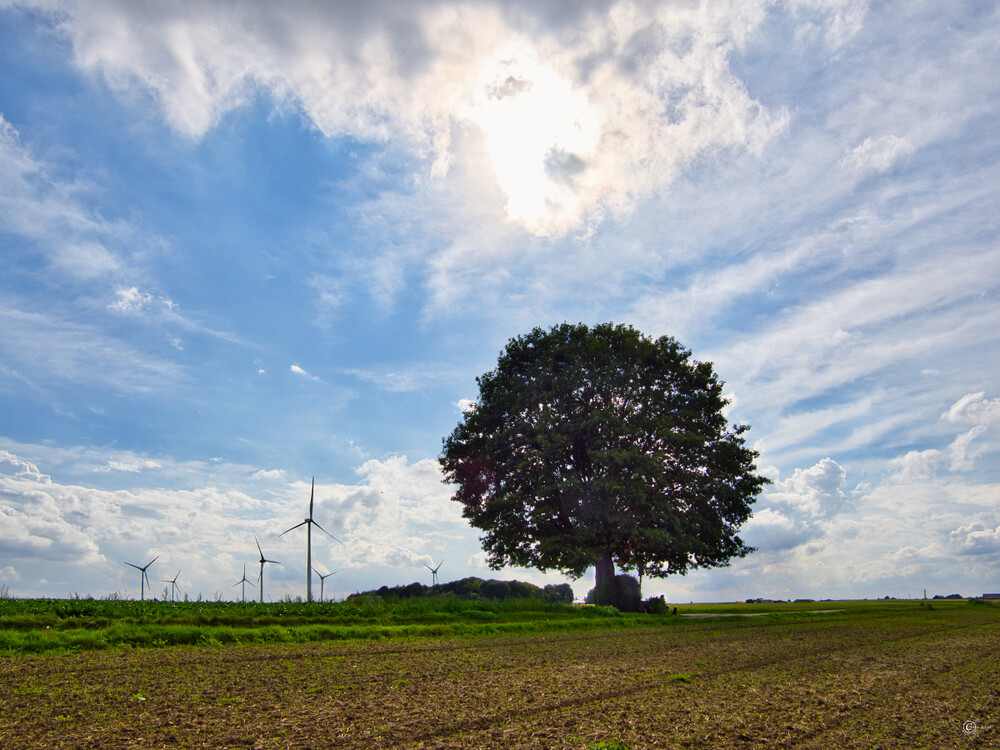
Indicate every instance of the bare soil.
{"type": "Point", "coordinates": [836, 681]}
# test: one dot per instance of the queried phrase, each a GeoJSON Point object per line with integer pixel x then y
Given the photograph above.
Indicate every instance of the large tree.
{"type": "Point", "coordinates": [602, 447]}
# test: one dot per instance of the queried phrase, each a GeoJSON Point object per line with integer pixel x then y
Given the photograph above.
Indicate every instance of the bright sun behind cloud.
{"type": "Point", "coordinates": [540, 134]}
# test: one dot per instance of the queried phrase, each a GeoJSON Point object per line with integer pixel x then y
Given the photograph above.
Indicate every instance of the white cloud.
{"type": "Point", "coordinates": [833, 22]}
{"type": "Point", "coordinates": [52, 212]}
{"type": "Point", "coordinates": [403, 557]}
{"type": "Point", "coordinates": [877, 154]}
{"type": "Point", "coordinates": [302, 373]}
{"type": "Point", "coordinates": [269, 474]}
{"type": "Point", "coordinates": [816, 492]}
{"type": "Point", "coordinates": [862, 339]}
{"type": "Point", "coordinates": [132, 465]}
{"type": "Point", "coordinates": [798, 509]}
{"type": "Point", "coordinates": [976, 539]}
{"type": "Point", "coordinates": [984, 415]}
{"type": "Point", "coordinates": [11, 464]}
{"type": "Point", "coordinates": [51, 347]}
{"type": "Point", "coordinates": [406, 380]}
{"type": "Point", "coordinates": [974, 408]}
{"type": "Point", "coordinates": [771, 531]}
{"type": "Point", "coordinates": [86, 260]}
{"type": "Point", "coordinates": [130, 300]}
{"type": "Point", "coordinates": [399, 514]}
{"type": "Point", "coordinates": [916, 465]}
{"type": "Point", "coordinates": [963, 452]}
{"type": "Point", "coordinates": [330, 297]}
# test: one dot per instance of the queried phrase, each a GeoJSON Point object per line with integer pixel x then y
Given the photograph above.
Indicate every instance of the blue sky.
{"type": "Point", "coordinates": [249, 243]}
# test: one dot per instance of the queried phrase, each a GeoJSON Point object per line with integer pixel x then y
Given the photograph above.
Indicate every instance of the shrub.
{"type": "Point", "coordinates": [622, 593]}
{"type": "Point", "coordinates": [656, 605]}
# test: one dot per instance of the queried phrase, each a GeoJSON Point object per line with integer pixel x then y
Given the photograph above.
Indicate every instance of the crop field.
{"type": "Point", "coordinates": [872, 676]}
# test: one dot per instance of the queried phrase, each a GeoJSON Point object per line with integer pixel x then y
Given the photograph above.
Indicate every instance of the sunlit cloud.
{"type": "Point", "coordinates": [302, 373]}
{"type": "Point", "coordinates": [567, 139]}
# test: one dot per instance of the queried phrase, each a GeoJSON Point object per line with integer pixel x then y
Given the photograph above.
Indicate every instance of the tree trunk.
{"type": "Point", "coordinates": [605, 568]}
{"type": "Point", "coordinates": [605, 584]}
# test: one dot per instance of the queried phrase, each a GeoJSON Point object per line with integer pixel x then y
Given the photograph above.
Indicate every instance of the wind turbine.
{"type": "Point", "coordinates": [244, 581]}
{"type": "Point", "coordinates": [145, 579]}
{"type": "Point", "coordinates": [262, 561]}
{"type": "Point", "coordinates": [309, 523]}
{"type": "Point", "coordinates": [322, 580]}
{"type": "Point", "coordinates": [173, 584]}
{"type": "Point", "coordinates": [434, 572]}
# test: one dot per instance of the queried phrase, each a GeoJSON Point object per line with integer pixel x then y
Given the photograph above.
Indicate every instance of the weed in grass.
{"type": "Point", "coordinates": [608, 745]}
{"type": "Point", "coordinates": [680, 677]}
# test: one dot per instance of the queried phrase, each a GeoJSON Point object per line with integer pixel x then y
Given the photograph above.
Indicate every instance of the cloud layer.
{"type": "Point", "coordinates": [580, 115]}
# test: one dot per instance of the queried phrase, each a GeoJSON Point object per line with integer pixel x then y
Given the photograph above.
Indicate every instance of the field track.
{"type": "Point", "coordinates": [903, 679]}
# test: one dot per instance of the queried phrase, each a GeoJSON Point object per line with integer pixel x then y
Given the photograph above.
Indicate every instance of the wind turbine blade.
{"type": "Point", "coordinates": [131, 565]}
{"type": "Point", "coordinates": [259, 549]}
{"type": "Point", "coordinates": [294, 527]}
{"type": "Point", "coordinates": [314, 523]}
{"type": "Point", "coordinates": [429, 567]}
{"type": "Point", "coordinates": [312, 494]}
{"type": "Point", "coordinates": [152, 561]}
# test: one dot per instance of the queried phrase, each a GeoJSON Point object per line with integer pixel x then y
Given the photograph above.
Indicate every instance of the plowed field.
{"type": "Point", "coordinates": [896, 680]}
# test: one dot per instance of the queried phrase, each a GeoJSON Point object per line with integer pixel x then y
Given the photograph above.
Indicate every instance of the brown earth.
{"type": "Point", "coordinates": [834, 682]}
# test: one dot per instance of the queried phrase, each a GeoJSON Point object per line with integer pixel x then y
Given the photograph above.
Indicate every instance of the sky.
{"type": "Point", "coordinates": [246, 244]}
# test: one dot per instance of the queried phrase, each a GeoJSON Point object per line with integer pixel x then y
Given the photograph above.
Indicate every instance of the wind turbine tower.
{"type": "Point", "coordinates": [145, 578]}
{"type": "Point", "coordinates": [173, 584]}
{"type": "Point", "coordinates": [309, 523]}
{"type": "Point", "coordinates": [434, 572]}
{"type": "Point", "coordinates": [322, 580]}
{"type": "Point", "coordinates": [244, 581]}
{"type": "Point", "coordinates": [262, 561]}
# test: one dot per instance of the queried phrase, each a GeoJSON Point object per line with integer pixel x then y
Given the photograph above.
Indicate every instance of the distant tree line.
{"type": "Point", "coordinates": [476, 588]}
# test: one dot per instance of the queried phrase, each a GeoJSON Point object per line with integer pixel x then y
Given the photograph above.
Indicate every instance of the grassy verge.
{"type": "Point", "coordinates": [31, 626]}
{"type": "Point", "coordinates": [54, 625]}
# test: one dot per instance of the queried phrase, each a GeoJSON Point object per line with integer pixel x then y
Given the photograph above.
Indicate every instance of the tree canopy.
{"type": "Point", "coordinates": [601, 447]}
